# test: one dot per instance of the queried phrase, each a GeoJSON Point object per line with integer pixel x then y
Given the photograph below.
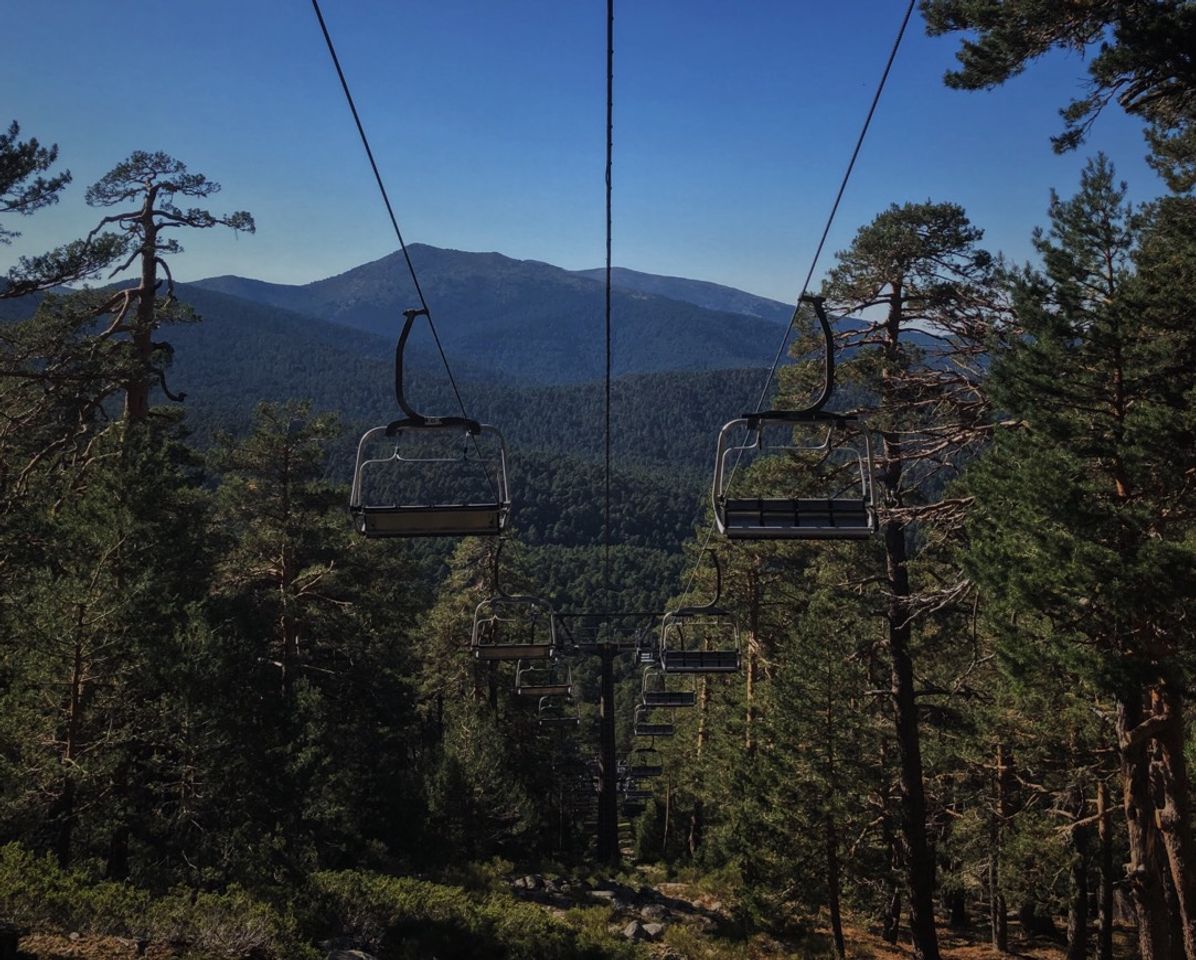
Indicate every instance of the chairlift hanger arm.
{"type": "Point", "coordinates": [414, 418]}
{"type": "Point", "coordinates": [813, 411]}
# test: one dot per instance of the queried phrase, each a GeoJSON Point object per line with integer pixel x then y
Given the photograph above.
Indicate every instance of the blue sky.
{"type": "Point", "coordinates": [733, 122]}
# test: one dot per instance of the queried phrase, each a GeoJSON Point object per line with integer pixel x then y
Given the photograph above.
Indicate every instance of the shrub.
{"type": "Point", "coordinates": [399, 918]}
{"type": "Point", "coordinates": [36, 894]}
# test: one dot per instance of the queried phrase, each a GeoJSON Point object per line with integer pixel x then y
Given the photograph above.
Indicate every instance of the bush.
{"type": "Point", "coordinates": [36, 894]}
{"type": "Point", "coordinates": [400, 918]}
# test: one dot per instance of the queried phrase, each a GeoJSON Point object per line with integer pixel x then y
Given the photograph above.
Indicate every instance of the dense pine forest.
{"type": "Point", "coordinates": [231, 726]}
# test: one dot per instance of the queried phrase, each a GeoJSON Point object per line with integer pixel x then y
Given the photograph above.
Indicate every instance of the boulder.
{"type": "Point", "coordinates": [634, 931]}
{"type": "Point", "coordinates": [654, 912]}
{"type": "Point", "coordinates": [653, 931]}
{"type": "Point", "coordinates": [349, 955]}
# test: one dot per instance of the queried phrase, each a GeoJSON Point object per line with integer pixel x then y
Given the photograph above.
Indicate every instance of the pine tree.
{"type": "Point", "coordinates": [1084, 514]}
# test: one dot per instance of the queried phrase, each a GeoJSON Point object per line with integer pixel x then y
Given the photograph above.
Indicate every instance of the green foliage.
{"type": "Point", "coordinates": [1142, 59]}
{"type": "Point", "coordinates": [22, 188]}
{"type": "Point", "coordinates": [398, 917]}
{"type": "Point", "coordinates": [35, 894]}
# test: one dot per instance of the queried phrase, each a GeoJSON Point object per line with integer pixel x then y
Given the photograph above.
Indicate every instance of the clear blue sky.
{"type": "Point", "coordinates": [733, 122]}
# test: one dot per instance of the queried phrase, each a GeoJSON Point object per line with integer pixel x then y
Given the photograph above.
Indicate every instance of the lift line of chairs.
{"type": "Point", "coordinates": [381, 507]}
{"type": "Point", "coordinates": [692, 640]}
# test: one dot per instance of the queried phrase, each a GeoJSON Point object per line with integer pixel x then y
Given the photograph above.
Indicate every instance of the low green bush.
{"type": "Point", "coordinates": [400, 918]}
{"type": "Point", "coordinates": [36, 894]}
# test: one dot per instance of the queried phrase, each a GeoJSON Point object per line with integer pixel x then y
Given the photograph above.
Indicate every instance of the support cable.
{"type": "Point", "coordinates": [813, 266]}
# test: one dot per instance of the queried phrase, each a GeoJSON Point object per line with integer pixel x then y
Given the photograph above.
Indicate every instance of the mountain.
{"type": "Point", "coordinates": [524, 320]}
{"type": "Point", "coordinates": [701, 293]}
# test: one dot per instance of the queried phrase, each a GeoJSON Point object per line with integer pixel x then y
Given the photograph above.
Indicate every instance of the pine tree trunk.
{"type": "Point", "coordinates": [753, 640]}
{"type": "Point", "coordinates": [1174, 813]}
{"type": "Point", "coordinates": [919, 855]}
{"type": "Point", "coordinates": [137, 390]}
{"type": "Point", "coordinates": [833, 884]}
{"type": "Point", "coordinates": [998, 909]}
{"type": "Point", "coordinates": [697, 828]}
{"type": "Point", "coordinates": [1144, 872]}
{"type": "Point", "coordinates": [1077, 910]}
{"type": "Point", "coordinates": [1104, 938]}
{"type": "Point", "coordinates": [697, 822]}
{"type": "Point", "coordinates": [891, 920]}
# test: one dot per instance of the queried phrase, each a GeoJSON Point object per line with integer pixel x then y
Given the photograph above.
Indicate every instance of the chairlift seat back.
{"type": "Point", "coordinates": [801, 518]}
{"type": "Point", "coordinates": [699, 661]}
{"type": "Point", "coordinates": [669, 698]}
{"type": "Point", "coordinates": [512, 651]}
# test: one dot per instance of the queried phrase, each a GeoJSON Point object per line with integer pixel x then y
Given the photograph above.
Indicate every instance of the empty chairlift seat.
{"type": "Point", "coordinates": [543, 678]}
{"type": "Point", "coordinates": [558, 711]}
{"type": "Point", "coordinates": [828, 464]}
{"type": "Point", "coordinates": [508, 627]}
{"type": "Point", "coordinates": [655, 691]}
{"type": "Point", "coordinates": [411, 480]}
{"type": "Point", "coordinates": [699, 640]}
{"type": "Point", "coordinates": [644, 763]}
{"type": "Point", "coordinates": [646, 724]}
{"type": "Point", "coordinates": [424, 476]}
{"type": "Point", "coordinates": [838, 457]}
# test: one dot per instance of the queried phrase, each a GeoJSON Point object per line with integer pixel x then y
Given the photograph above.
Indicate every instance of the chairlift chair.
{"type": "Point", "coordinates": [556, 711]}
{"type": "Point", "coordinates": [700, 639]}
{"type": "Point", "coordinates": [541, 678]}
{"type": "Point", "coordinates": [847, 513]}
{"type": "Point", "coordinates": [655, 692]}
{"type": "Point", "coordinates": [377, 512]}
{"type": "Point", "coordinates": [643, 724]}
{"type": "Point", "coordinates": [644, 763]}
{"type": "Point", "coordinates": [513, 627]}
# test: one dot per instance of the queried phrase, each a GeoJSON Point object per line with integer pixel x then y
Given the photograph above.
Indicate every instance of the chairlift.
{"type": "Point", "coordinates": [542, 678]}
{"type": "Point", "coordinates": [645, 646]}
{"type": "Point", "coordinates": [643, 724]}
{"type": "Point", "coordinates": [507, 627]}
{"type": "Point", "coordinates": [554, 711]}
{"type": "Point", "coordinates": [512, 626]}
{"type": "Point", "coordinates": [644, 763]}
{"type": "Point", "coordinates": [655, 692]}
{"type": "Point", "coordinates": [848, 512]}
{"type": "Point", "coordinates": [423, 448]}
{"type": "Point", "coordinates": [700, 639]}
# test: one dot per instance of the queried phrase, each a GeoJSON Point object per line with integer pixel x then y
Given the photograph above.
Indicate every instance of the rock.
{"type": "Point", "coordinates": [75, 936]}
{"type": "Point", "coordinates": [349, 955]}
{"type": "Point", "coordinates": [653, 931]}
{"type": "Point", "coordinates": [551, 886]}
{"type": "Point", "coordinates": [653, 912]}
{"type": "Point", "coordinates": [519, 883]}
{"type": "Point", "coordinates": [634, 931]}
{"type": "Point", "coordinates": [607, 896]}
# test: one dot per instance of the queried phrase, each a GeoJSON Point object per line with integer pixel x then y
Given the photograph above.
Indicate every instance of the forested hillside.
{"type": "Point", "coordinates": [916, 682]}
